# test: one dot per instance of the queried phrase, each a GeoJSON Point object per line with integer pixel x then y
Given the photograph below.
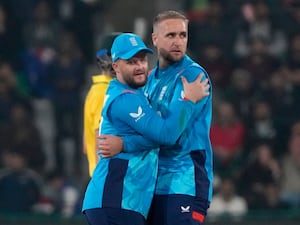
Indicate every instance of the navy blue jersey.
{"type": "Point", "coordinates": [128, 179]}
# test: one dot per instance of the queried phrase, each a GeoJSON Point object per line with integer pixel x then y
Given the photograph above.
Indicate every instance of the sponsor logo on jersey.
{"type": "Point", "coordinates": [162, 92]}
{"type": "Point", "coordinates": [137, 115]}
{"type": "Point", "coordinates": [185, 209]}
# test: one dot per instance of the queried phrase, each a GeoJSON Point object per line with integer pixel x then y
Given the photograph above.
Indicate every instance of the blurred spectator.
{"type": "Point", "coordinates": [8, 74]}
{"type": "Point", "coordinates": [212, 58]}
{"type": "Point", "coordinates": [272, 199]}
{"type": "Point", "coordinates": [21, 131]}
{"type": "Point", "coordinates": [16, 80]}
{"type": "Point", "coordinates": [20, 187]}
{"type": "Point", "coordinates": [279, 95]}
{"type": "Point", "coordinates": [291, 69]}
{"type": "Point", "coordinates": [60, 196]}
{"type": "Point", "coordinates": [8, 92]}
{"type": "Point", "coordinates": [196, 9]}
{"type": "Point", "coordinates": [226, 203]}
{"type": "Point", "coordinates": [261, 171]}
{"type": "Point", "coordinates": [7, 100]}
{"type": "Point", "coordinates": [241, 92]}
{"type": "Point", "coordinates": [283, 104]}
{"type": "Point", "coordinates": [259, 62]}
{"type": "Point", "coordinates": [66, 76]}
{"type": "Point", "coordinates": [290, 182]}
{"type": "Point", "coordinates": [76, 16]}
{"type": "Point", "coordinates": [260, 24]}
{"type": "Point", "coordinates": [211, 30]}
{"type": "Point", "coordinates": [40, 35]}
{"type": "Point", "coordinates": [227, 137]}
{"type": "Point", "coordinates": [261, 125]}
{"type": "Point", "coordinates": [18, 118]}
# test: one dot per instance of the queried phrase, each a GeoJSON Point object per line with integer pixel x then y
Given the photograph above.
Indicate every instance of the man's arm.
{"type": "Point", "coordinates": [153, 127]}
{"type": "Point", "coordinates": [110, 145]}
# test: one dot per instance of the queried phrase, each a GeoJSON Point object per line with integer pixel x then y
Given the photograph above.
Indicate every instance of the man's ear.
{"type": "Point", "coordinates": [115, 67]}
{"type": "Point", "coordinates": [154, 39]}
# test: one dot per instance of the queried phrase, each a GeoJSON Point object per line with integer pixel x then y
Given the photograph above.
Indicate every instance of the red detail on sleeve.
{"type": "Point", "coordinates": [197, 216]}
{"type": "Point", "coordinates": [185, 98]}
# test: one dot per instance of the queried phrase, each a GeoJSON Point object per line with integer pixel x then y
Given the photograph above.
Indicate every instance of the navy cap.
{"type": "Point", "coordinates": [127, 45]}
{"type": "Point", "coordinates": [102, 52]}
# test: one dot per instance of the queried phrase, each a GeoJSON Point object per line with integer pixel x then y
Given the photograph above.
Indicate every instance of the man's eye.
{"type": "Point", "coordinates": [131, 62]}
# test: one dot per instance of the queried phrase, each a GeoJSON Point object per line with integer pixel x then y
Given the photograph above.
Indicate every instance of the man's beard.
{"type": "Point", "coordinates": [168, 57]}
{"type": "Point", "coordinates": [133, 84]}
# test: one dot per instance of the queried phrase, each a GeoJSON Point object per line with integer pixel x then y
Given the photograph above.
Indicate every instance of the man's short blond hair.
{"type": "Point", "coordinates": [170, 14]}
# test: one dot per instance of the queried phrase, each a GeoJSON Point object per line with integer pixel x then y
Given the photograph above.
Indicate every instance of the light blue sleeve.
{"type": "Point", "coordinates": [134, 143]}
{"type": "Point", "coordinates": [191, 74]}
{"type": "Point", "coordinates": [135, 111]}
{"type": "Point", "coordinates": [139, 142]}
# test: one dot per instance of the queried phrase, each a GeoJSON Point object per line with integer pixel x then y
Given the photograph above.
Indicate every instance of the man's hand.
{"type": "Point", "coordinates": [109, 145]}
{"type": "Point", "coordinates": [197, 89]}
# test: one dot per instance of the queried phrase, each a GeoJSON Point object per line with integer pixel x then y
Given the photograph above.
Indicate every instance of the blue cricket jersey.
{"type": "Point", "coordinates": [187, 166]}
{"type": "Point", "coordinates": [128, 179]}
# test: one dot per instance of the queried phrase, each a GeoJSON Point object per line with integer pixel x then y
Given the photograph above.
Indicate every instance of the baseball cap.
{"type": "Point", "coordinates": [126, 45]}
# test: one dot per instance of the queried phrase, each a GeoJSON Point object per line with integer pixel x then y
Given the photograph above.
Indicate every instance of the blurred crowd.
{"type": "Point", "coordinates": [250, 48]}
{"type": "Point", "coordinates": [253, 57]}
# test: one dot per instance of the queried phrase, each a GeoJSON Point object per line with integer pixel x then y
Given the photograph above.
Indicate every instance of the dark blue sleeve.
{"type": "Point", "coordinates": [135, 111]}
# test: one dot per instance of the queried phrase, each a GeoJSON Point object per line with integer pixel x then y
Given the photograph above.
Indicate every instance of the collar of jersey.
{"type": "Point", "coordinates": [101, 78]}
{"type": "Point", "coordinates": [161, 72]}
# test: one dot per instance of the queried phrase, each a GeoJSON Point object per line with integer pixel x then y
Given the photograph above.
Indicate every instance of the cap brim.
{"type": "Point", "coordinates": [133, 52]}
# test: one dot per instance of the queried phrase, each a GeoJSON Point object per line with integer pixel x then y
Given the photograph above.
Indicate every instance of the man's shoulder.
{"type": "Point", "coordinates": [194, 68]}
{"type": "Point", "coordinates": [192, 71]}
{"type": "Point", "coordinates": [192, 64]}
{"type": "Point", "coordinates": [122, 92]}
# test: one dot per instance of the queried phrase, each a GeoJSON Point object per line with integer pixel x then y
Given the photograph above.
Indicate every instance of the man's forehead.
{"type": "Point", "coordinates": [174, 21]}
{"type": "Point", "coordinates": [173, 25]}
